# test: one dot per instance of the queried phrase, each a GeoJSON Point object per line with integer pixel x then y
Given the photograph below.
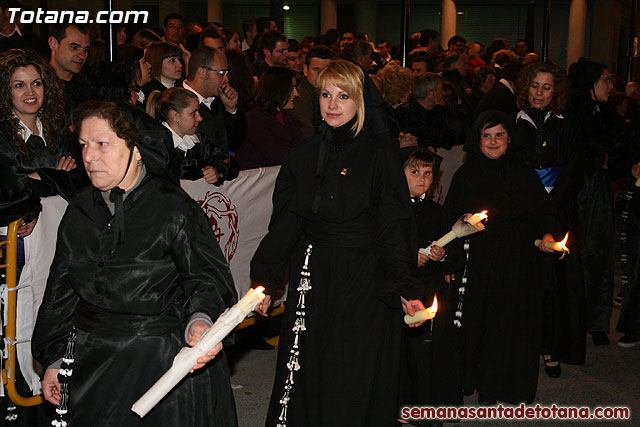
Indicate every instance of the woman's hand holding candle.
{"type": "Point", "coordinates": [197, 329]}
{"type": "Point", "coordinates": [410, 307]}
{"type": "Point", "coordinates": [419, 316]}
{"type": "Point", "coordinates": [544, 246]}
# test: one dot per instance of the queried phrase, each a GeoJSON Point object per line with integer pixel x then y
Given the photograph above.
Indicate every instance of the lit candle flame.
{"type": "Point", "coordinates": [434, 306]}
{"type": "Point", "coordinates": [259, 289]}
{"type": "Point", "coordinates": [562, 245]}
{"type": "Point", "coordinates": [484, 215]}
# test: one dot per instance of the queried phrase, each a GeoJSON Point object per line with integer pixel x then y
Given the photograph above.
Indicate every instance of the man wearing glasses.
{"type": "Point", "coordinates": [208, 79]}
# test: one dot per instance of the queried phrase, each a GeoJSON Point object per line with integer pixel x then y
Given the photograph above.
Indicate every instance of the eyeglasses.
{"type": "Point", "coordinates": [221, 72]}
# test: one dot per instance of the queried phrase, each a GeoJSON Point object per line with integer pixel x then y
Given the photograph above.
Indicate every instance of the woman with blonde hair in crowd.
{"type": "Point", "coordinates": [341, 215]}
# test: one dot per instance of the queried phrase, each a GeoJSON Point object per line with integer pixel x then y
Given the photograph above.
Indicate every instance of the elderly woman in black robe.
{"type": "Point", "coordinates": [502, 290]}
{"type": "Point", "coordinates": [341, 198]}
{"type": "Point", "coordinates": [137, 274]}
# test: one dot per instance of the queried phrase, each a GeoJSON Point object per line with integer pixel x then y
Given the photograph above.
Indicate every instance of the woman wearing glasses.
{"type": "Point", "coordinates": [590, 88]}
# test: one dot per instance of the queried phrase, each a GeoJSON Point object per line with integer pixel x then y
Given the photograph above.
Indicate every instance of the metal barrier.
{"type": "Point", "coordinates": [9, 367]}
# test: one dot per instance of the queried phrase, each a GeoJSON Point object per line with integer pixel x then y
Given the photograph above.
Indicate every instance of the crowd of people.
{"type": "Point", "coordinates": [360, 139]}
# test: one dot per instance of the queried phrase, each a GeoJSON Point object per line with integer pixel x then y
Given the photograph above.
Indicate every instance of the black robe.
{"type": "Point", "coordinates": [556, 145]}
{"type": "Point", "coordinates": [130, 307]}
{"type": "Point", "coordinates": [501, 309]}
{"type": "Point", "coordinates": [597, 213]}
{"type": "Point", "coordinates": [432, 350]}
{"type": "Point", "coordinates": [354, 210]}
{"type": "Point", "coordinates": [21, 194]}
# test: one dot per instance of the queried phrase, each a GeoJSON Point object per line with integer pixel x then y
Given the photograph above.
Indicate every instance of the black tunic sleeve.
{"type": "Point", "coordinates": [55, 316]}
{"type": "Point", "coordinates": [270, 261]}
{"type": "Point", "coordinates": [204, 272]}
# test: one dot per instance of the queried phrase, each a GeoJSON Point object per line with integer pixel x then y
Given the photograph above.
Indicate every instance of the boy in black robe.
{"type": "Point", "coordinates": [428, 343]}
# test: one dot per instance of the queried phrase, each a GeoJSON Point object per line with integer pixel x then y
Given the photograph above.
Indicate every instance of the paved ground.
{"type": "Point", "coordinates": [610, 376]}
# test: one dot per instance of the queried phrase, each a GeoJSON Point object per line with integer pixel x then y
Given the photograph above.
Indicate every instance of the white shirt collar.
{"type": "Point", "coordinates": [201, 99]}
{"type": "Point", "coordinates": [16, 29]}
{"type": "Point", "coordinates": [167, 84]}
{"type": "Point", "coordinates": [421, 197]}
{"type": "Point", "coordinates": [524, 116]}
{"type": "Point", "coordinates": [185, 143]}
{"type": "Point", "coordinates": [25, 132]}
{"type": "Point", "coordinates": [508, 84]}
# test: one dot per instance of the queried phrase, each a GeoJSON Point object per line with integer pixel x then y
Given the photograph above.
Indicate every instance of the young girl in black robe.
{"type": "Point", "coordinates": [501, 308]}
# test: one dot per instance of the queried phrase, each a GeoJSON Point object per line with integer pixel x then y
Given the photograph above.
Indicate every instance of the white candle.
{"type": "Point", "coordinates": [421, 315]}
{"type": "Point", "coordinates": [477, 217]}
{"type": "Point", "coordinates": [447, 238]}
{"type": "Point", "coordinates": [187, 356]}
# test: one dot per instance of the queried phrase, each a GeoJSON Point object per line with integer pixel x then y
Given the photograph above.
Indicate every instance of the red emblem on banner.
{"type": "Point", "coordinates": [223, 217]}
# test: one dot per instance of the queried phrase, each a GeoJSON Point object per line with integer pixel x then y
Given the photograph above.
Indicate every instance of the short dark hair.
{"type": "Point", "coordinates": [294, 46]}
{"type": "Point", "coordinates": [456, 39]}
{"type": "Point", "coordinates": [130, 56]}
{"type": "Point", "coordinates": [212, 32]}
{"type": "Point", "coordinates": [10, 3]}
{"type": "Point", "coordinates": [268, 41]}
{"type": "Point", "coordinates": [248, 25]}
{"type": "Point", "coordinates": [428, 35]}
{"type": "Point", "coordinates": [172, 16]}
{"type": "Point", "coordinates": [201, 57]}
{"type": "Point", "coordinates": [420, 158]}
{"type": "Point", "coordinates": [158, 52]}
{"type": "Point", "coordinates": [274, 89]}
{"type": "Point", "coordinates": [263, 24]}
{"type": "Point", "coordinates": [321, 52]}
{"type": "Point", "coordinates": [358, 48]}
{"type": "Point", "coordinates": [109, 111]}
{"type": "Point", "coordinates": [105, 81]}
{"type": "Point", "coordinates": [480, 75]}
{"type": "Point", "coordinates": [59, 31]}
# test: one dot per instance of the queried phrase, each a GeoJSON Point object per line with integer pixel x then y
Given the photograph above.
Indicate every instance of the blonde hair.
{"type": "Point", "coordinates": [350, 78]}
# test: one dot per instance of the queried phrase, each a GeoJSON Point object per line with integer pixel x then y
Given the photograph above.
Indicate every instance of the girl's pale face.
{"type": "Point", "coordinates": [294, 94]}
{"type": "Point", "coordinates": [603, 87]}
{"type": "Point", "coordinates": [188, 119]}
{"type": "Point", "coordinates": [336, 106]}
{"type": "Point", "coordinates": [494, 141]}
{"type": "Point", "coordinates": [171, 68]}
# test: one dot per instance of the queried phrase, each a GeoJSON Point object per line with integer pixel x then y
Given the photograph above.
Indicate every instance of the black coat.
{"type": "Point", "coordinates": [438, 127]}
{"type": "Point", "coordinates": [21, 194]}
{"type": "Point", "coordinates": [354, 210]}
{"type": "Point", "coordinates": [557, 143]}
{"type": "Point", "coordinates": [130, 307]}
{"type": "Point", "coordinates": [501, 308]}
{"type": "Point", "coordinates": [498, 98]}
